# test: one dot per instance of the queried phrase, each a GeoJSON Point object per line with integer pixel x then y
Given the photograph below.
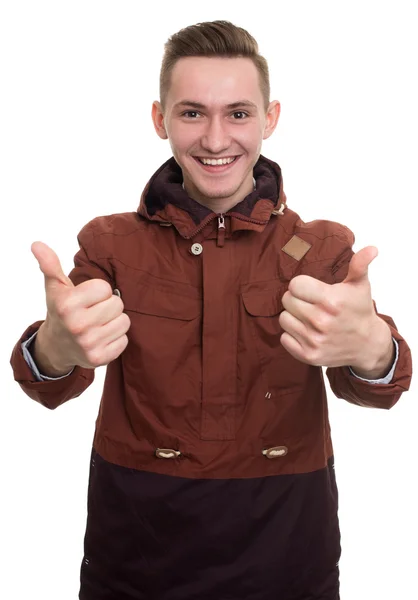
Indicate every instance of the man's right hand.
{"type": "Point", "coordinates": [85, 324]}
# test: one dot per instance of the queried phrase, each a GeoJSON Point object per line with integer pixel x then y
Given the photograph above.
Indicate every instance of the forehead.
{"type": "Point", "coordinates": [214, 81]}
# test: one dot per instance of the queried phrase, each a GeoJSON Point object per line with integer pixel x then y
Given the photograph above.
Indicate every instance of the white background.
{"type": "Point", "coordinates": [78, 79]}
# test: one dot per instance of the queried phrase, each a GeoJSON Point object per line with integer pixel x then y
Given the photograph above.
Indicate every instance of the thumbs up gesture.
{"type": "Point", "coordinates": [85, 324]}
{"type": "Point", "coordinates": [336, 325]}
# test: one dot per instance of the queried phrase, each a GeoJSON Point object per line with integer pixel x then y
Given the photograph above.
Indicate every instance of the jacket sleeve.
{"type": "Point", "coordinates": [358, 391]}
{"type": "Point", "coordinates": [53, 393]}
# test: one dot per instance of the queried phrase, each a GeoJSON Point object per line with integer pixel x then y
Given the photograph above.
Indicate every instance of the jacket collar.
{"type": "Point", "coordinates": [165, 201]}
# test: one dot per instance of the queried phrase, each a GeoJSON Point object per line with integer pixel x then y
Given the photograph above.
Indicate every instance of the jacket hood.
{"type": "Point", "coordinates": [164, 200]}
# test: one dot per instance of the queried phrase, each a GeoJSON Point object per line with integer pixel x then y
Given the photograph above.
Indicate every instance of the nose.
{"type": "Point", "coordinates": [216, 138]}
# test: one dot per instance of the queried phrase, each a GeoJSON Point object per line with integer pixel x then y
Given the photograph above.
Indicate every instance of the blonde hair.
{"type": "Point", "coordinates": [216, 39]}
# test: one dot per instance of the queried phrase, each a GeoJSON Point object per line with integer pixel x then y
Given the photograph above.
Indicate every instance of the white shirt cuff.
{"type": "Point", "coordinates": [389, 376]}
{"type": "Point", "coordinates": [28, 357]}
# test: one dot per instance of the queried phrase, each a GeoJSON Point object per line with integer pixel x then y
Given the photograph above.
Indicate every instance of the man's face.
{"type": "Point", "coordinates": [215, 109]}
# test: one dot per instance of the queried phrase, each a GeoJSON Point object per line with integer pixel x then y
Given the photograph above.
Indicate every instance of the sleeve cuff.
{"type": "Point", "coordinates": [31, 363]}
{"type": "Point", "coordinates": [389, 376]}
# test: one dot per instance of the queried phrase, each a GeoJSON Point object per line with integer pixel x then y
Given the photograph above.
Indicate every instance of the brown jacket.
{"type": "Point", "coordinates": [212, 463]}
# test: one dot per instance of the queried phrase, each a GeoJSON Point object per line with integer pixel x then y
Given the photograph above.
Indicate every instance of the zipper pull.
{"type": "Point", "coordinates": [221, 231]}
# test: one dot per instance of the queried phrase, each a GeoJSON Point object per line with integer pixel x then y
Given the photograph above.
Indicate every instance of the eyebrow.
{"type": "Point", "coordinates": [199, 105]}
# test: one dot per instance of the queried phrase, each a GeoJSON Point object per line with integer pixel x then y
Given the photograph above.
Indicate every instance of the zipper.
{"type": "Point", "coordinates": [210, 218]}
{"type": "Point", "coordinates": [220, 240]}
{"type": "Point", "coordinates": [203, 224]}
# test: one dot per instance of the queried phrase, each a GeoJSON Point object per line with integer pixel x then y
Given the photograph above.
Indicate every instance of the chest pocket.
{"type": "Point", "coordinates": [162, 358]}
{"type": "Point", "coordinates": [282, 373]}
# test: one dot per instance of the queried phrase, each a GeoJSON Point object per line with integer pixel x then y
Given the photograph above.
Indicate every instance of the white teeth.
{"type": "Point", "coordinates": [220, 161]}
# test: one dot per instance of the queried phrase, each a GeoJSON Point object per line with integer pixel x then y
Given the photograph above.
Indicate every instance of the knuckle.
{"type": "Point", "coordinates": [76, 329]}
{"type": "Point", "coordinates": [314, 345]}
{"type": "Point", "coordinates": [119, 347]}
{"type": "Point", "coordinates": [104, 286]}
{"type": "Point", "coordinates": [107, 287]}
{"type": "Point", "coordinates": [312, 356]}
{"type": "Point", "coordinates": [285, 297]}
{"type": "Point", "coordinates": [285, 320]}
{"type": "Point", "coordinates": [127, 321]}
{"type": "Point", "coordinates": [87, 343]}
{"type": "Point", "coordinates": [322, 322]}
{"type": "Point", "coordinates": [293, 284]}
{"type": "Point", "coordinates": [93, 357]}
{"type": "Point", "coordinates": [118, 303]}
{"type": "Point", "coordinates": [63, 309]}
{"type": "Point", "coordinates": [335, 304]}
{"type": "Point", "coordinates": [316, 342]}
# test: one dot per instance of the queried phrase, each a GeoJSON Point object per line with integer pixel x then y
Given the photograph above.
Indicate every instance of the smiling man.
{"type": "Point", "coordinates": [215, 308]}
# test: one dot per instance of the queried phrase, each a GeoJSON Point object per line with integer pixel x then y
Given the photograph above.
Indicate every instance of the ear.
{"type": "Point", "coordinates": [272, 117]}
{"type": "Point", "coordinates": [158, 120]}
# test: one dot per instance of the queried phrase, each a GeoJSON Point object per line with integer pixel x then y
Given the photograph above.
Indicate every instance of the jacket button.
{"type": "Point", "coordinates": [166, 453]}
{"type": "Point", "coordinates": [196, 249]}
{"type": "Point", "coordinates": [275, 452]}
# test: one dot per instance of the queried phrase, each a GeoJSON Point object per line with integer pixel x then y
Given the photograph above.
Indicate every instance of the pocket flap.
{"type": "Point", "coordinates": [266, 303]}
{"type": "Point", "coordinates": [158, 303]}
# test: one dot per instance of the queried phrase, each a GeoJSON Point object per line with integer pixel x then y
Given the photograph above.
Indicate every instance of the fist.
{"type": "Point", "coordinates": [335, 325]}
{"type": "Point", "coordinates": [85, 324]}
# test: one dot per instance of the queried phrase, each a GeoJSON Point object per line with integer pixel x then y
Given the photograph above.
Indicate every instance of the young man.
{"type": "Point", "coordinates": [214, 307]}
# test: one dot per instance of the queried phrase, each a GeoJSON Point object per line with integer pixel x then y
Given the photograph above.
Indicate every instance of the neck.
{"type": "Point", "coordinates": [220, 205]}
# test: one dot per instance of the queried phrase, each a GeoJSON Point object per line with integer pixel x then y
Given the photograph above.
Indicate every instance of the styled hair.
{"type": "Point", "coordinates": [212, 39]}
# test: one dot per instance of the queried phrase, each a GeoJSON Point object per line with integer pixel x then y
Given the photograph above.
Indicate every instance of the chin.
{"type": "Point", "coordinates": [221, 191]}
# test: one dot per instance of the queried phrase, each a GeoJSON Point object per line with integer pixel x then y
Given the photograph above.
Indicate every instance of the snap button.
{"type": "Point", "coordinates": [166, 453]}
{"type": "Point", "coordinates": [196, 249]}
{"type": "Point", "coordinates": [275, 452]}
{"type": "Point", "coordinates": [116, 292]}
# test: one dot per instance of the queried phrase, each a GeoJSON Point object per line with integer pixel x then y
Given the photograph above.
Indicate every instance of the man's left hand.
{"type": "Point", "coordinates": [337, 325]}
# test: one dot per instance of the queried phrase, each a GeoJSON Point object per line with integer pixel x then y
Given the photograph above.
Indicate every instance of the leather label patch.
{"type": "Point", "coordinates": [296, 247]}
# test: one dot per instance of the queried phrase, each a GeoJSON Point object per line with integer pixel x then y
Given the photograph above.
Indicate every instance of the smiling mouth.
{"type": "Point", "coordinates": [215, 161]}
{"type": "Point", "coordinates": [216, 168]}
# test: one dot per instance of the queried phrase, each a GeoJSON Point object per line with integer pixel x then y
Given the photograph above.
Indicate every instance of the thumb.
{"type": "Point", "coordinates": [358, 269]}
{"type": "Point", "coordinates": [50, 266]}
